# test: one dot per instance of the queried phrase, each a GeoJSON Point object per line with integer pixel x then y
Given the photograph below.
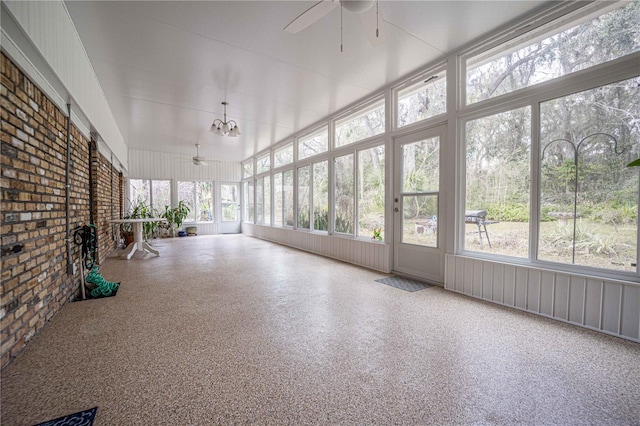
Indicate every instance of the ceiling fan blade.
{"type": "Point", "coordinates": [368, 19]}
{"type": "Point", "coordinates": [311, 15]}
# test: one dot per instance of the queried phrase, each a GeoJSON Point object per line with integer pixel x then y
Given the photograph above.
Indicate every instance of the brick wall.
{"type": "Point", "coordinates": [107, 189]}
{"type": "Point", "coordinates": [34, 281]}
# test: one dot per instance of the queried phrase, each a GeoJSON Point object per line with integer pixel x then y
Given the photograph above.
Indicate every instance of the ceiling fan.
{"type": "Point", "coordinates": [368, 11]}
{"type": "Point", "coordinates": [198, 160]}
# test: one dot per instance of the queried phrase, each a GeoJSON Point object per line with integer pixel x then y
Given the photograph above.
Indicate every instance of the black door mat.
{"type": "Point", "coordinates": [83, 418]}
{"type": "Point", "coordinates": [402, 283]}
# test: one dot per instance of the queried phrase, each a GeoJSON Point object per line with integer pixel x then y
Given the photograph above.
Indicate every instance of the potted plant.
{"type": "Point", "coordinates": [176, 215]}
{"type": "Point", "coordinates": [139, 210]}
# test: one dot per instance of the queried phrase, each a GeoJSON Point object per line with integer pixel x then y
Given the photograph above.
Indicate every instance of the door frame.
{"type": "Point", "coordinates": [428, 262]}
{"type": "Point", "coordinates": [228, 227]}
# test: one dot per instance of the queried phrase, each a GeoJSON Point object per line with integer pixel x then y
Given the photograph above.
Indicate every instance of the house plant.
{"type": "Point", "coordinates": [176, 216]}
{"type": "Point", "coordinates": [138, 210]}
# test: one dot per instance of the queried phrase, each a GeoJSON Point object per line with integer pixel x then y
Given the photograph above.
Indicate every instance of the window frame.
{"type": "Point", "coordinates": [439, 70]}
{"type": "Point", "coordinates": [354, 112]}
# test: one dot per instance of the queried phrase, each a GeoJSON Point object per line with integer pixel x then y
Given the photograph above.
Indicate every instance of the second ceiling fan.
{"type": "Point", "coordinates": [368, 11]}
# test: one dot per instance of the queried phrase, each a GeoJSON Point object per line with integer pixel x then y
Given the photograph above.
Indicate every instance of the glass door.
{"type": "Point", "coordinates": [417, 205]}
{"type": "Point", "coordinates": [229, 208]}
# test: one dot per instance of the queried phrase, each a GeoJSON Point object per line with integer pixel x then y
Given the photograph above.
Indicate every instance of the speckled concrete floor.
{"type": "Point", "coordinates": [235, 330]}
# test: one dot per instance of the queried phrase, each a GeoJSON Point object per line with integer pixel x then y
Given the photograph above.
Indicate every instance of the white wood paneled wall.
{"type": "Point", "coordinates": [358, 252]}
{"type": "Point", "coordinates": [609, 306]}
{"type": "Point", "coordinates": [161, 165]}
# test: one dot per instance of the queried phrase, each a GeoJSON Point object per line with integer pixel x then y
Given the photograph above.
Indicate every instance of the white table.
{"type": "Point", "coordinates": [138, 241]}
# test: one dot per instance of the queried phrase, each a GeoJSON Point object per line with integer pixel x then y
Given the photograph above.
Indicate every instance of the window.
{"type": "Point", "coordinates": [287, 190]}
{"type": "Point", "coordinates": [498, 151]}
{"type": "Point", "coordinates": [263, 163]}
{"type": "Point", "coordinates": [589, 199]}
{"type": "Point", "coordinates": [344, 194]}
{"type": "Point", "coordinates": [321, 196]}
{"type": "Point", "coordinates": [247, 169]}
{"type": "Point", "coordinates": [278, 212]}
{"type": "Point", "coordinates": [361, 125]}
{"type": "Point", "coordinates": [160, 194]}
{"type": "Point", "coordinates": [154, 193]}
{"type": "Point", "coordinates": [371, 191]}
{"type": "Point", "coordinates": [313, 144]}
{"type": "Point", "coordinates": [420, 191]}
{"type": "Point", "coordinates": [550, 53]}
{"type": "Point", "coordinates": [204, 201]}
{"type": "Point", "coordinates": [199, 197]}
{"type": "Point", "coordinates": [304, 213]}
{"type": "Point", "coordinates": [260, 200]}
{"type": "Point", "coordinates": [186, 193]}
{"type": "Point", "coordinates": [249, 206]}
{"type": "Point", "coordinates": [267, 200]}
{"type": "Point", "coordinates": [140, 191]}
{"type": "Point", "coordinates": [229, 202]}
{"type": "Point", "coordinates": [283, 156]}
{"type": "Point", "coordinates": [422, 100]}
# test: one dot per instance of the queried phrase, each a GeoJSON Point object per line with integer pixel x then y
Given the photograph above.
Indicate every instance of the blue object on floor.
{"type": "Point", "coordinates": [83, 418]}
{"type": "Point", "coordinates": [182, 233]}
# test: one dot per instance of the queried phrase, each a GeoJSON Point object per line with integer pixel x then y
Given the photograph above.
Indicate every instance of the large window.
{"type": "Point", "coordinates": [283, 156]}
{"type": "Point", "coordinates": [267, 200]}
{"type": "Point", "coordinates": [321, 196]}
{"type": "Point", "coordinates": [552, 52]}
{"type": "Point", "coordinates": [247, 169]}
{"type": "Point", "coordinates": [589, 199]}
{"type": "Point", "coordinates": [278, 212]}
{"type": "Point", "coordinates": [365, 123]}
{"type": "Point", "coordinates": [283, 206]}
{"type": "Point", "coordinates": [287, 190]}
{"type": "Point", "coordinates": [153, 193]}
{"type": "Point", "coordinates": [260, 200]}
{"type": "Point", "coordinates": [249, 205]}
{"type": "Point", "coordinates": [424, 99]}
{"type": "Point", "coordinates": [263, 163]}
{"type": "Point", "coordinates": [304, 212]}
{"type": "Point", "coordinates": [371, 192]}
{"type": "Point", "coordinates": [344, 194]}
{"type": "Point", "coordinates": [199, 197]}
{"type": "Point", "coordinates": [315, 143]}
{"type": "Point", "coordinates": [498, 149]}
{"type": "Point", "coordinates": [186, 194]}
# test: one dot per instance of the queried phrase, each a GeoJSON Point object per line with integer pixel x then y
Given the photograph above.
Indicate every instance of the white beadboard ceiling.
{"type": "Point", "coordinates": [166, 66]}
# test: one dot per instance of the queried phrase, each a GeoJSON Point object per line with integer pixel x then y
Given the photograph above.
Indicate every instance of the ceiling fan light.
{"type": "Point", "coordinates": [357, 6]}
{"type": "Point", "coordinates": [234, 132]}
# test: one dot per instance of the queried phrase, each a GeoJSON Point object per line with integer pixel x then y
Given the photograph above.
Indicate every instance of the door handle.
{"type": "Point", "coordinates": [396, 210]}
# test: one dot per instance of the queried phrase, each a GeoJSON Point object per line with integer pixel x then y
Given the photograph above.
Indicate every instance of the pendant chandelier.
{"type": "Point", "coordinates": [224, 127]}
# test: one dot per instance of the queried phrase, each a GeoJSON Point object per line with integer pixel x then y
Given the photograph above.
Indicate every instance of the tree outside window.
{"type": "Point", "coordinates": [344, 194]}
{"type": "Point", "coordinates": [498, 149]}
{"type": "Point", "coordinates": [304, 213]}
{"type": "Point", "coordinates": [371, 191]}
{"type": "Point", "coordinates": [321, 196]}
{"type": "Point", "coordinates": [589, 198]}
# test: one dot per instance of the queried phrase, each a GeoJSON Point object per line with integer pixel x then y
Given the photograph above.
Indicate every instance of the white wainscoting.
{"type": "Point", "coordinates": [358, 252]}
{"type": "Point", "coordinates": [204, 228]}
{"type": "Point", "coordinates": [609, 306]}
